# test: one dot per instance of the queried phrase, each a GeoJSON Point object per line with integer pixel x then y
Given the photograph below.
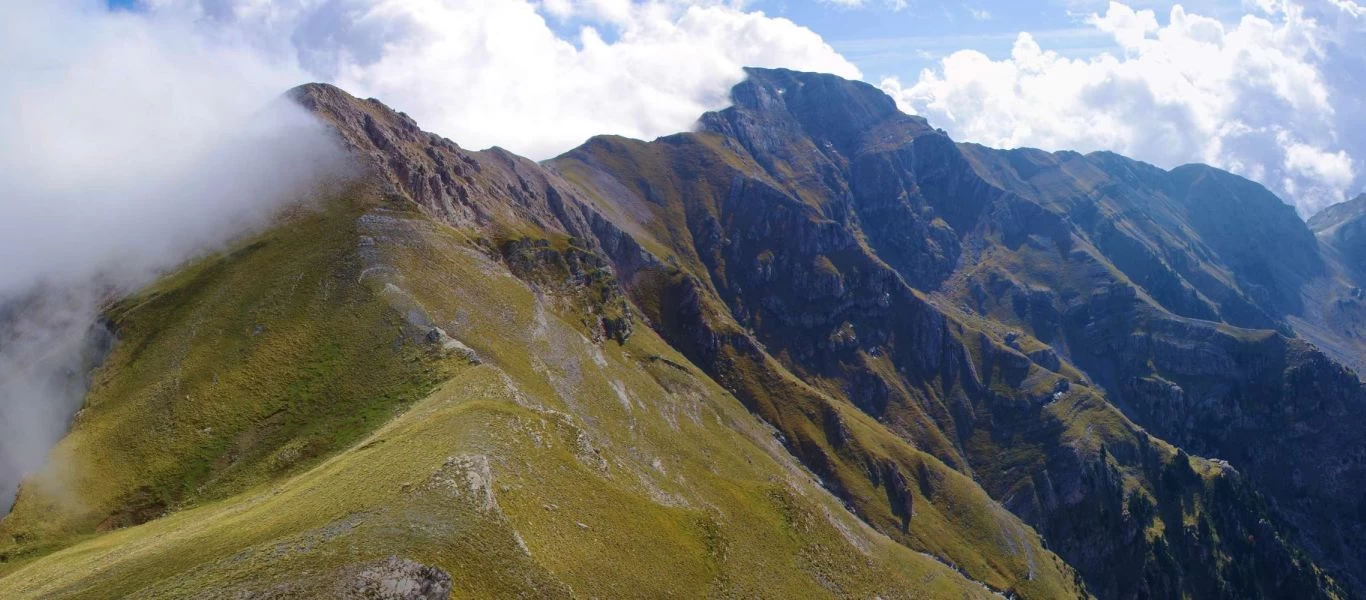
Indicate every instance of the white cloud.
{"type": "Point", "coordinates": [132, 140]}
{"type": "Point", "coordinates": [980, 14]}
{"type": "Point", "coordinates": [127, 145]}
{"type": "Point", "coordinates": [485, 73]}
{"type": "Point", "coordinates": [1351, 8]}
{"type": "Point", "coordinates": [1306, 161]}
{"type": "Point", "coordinates": [1265, 96]}
{"type": "Point", "coordinates": [107, 134]}
{"type": "Point", "coordinates": [1129, 27]}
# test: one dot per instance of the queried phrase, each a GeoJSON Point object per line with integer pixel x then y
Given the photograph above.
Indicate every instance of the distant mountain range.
{"type": "Point", "coordinates": [814, 348]}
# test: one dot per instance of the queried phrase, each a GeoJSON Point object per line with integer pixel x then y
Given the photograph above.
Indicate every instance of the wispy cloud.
{"type": "Point", "coordinates": [894, 5]}
{"type": "Point", "coordinates": [127, 145]}
{"type": "Point", "coordinates": [963, 40]}
{"type": "Point", "coordinates": [901, 51]}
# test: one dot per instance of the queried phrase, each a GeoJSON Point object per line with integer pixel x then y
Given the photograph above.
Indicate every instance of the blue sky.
{"type": "Point", "coordinates": [884, 41]}
{"type": "Point", "coordinates": [902, 42]}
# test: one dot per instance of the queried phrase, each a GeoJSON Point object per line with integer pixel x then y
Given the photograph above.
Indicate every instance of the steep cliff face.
{"type": "Point", "coordinates": [1177, 353]}
{"type": "Point", "coordinates": [951, 293]}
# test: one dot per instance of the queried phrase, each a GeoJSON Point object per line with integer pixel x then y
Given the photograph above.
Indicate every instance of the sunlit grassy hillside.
{"type": "Point", "coordinates": [279, 419]}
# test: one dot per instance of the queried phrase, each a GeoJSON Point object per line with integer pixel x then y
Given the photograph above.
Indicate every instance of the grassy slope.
{"type": "Point", "coordinates": [1013, 445]}
{"type": "Point", "coordinates": [953, 516]}
{"type": "Point", "coordinates": [235, 370]}
{"type": "Point", "coordinates": [557, 467]}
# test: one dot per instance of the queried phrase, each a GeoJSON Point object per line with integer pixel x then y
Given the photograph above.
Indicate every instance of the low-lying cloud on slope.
{"type": "Point", "coordinates": [131, 140]}
{"type": "Point", "coordinates": [127, 145]}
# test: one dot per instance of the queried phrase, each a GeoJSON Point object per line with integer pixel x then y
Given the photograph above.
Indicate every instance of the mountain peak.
{"type": "Point", "coordinates": [351, 115]}
{"type": "Point", "coordinates": [309, 94]}
{"type": "Point", "coordinates": [325, 99]}
{"type": "Point", "coordinates": [814, 94]}
{"type": "Point", "coordinates": [825, 107]}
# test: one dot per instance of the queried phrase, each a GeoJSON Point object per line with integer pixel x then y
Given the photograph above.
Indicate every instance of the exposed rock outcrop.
{"type": "Point", "coordinates": [394, 578]}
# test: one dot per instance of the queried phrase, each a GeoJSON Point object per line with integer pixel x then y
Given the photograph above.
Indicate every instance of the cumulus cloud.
{"type": "Point", "coordinates": [1275, 96]}
{"type": "Point", "coordinates": [497, 73]}
{"type": "Point", "coordinates": [127, 145]}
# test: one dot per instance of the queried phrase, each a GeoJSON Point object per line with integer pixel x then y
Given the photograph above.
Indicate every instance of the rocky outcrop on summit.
{"type": "Point", "coordinates": [819, 140]}
{"type": "Point", "coordinates": [463, 188]}
{"type": "Point", "coordinates": [491, 191]}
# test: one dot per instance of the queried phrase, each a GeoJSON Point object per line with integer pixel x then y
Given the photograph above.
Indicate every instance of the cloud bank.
{"type": "Point", "coordinates": [132, 140]}
{"type": "Point", "coordinates": [127, 145]}
{"type": "Point", "coordinates": [537, 78]}
{"type": "Point", "coordinates": [1276, 97]}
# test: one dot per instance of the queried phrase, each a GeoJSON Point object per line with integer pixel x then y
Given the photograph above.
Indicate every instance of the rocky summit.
{"type": "Point", "coordinates": [815, 348]}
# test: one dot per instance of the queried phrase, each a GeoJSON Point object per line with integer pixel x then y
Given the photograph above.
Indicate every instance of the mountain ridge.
{"type": "Point", "coordinates": [676, 141]}
{"type": "Point", "coordinates": [934, 247]}
{"type": "Point", "coordinates": [963, 346]}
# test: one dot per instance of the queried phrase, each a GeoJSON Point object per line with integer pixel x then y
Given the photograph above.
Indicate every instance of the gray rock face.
{"type": "Point", "coordinates": [486, 190]}
{"type": "Point", "coordinates": [394, 579]}
{"type": "Point", "coordinates": [450, 345]}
